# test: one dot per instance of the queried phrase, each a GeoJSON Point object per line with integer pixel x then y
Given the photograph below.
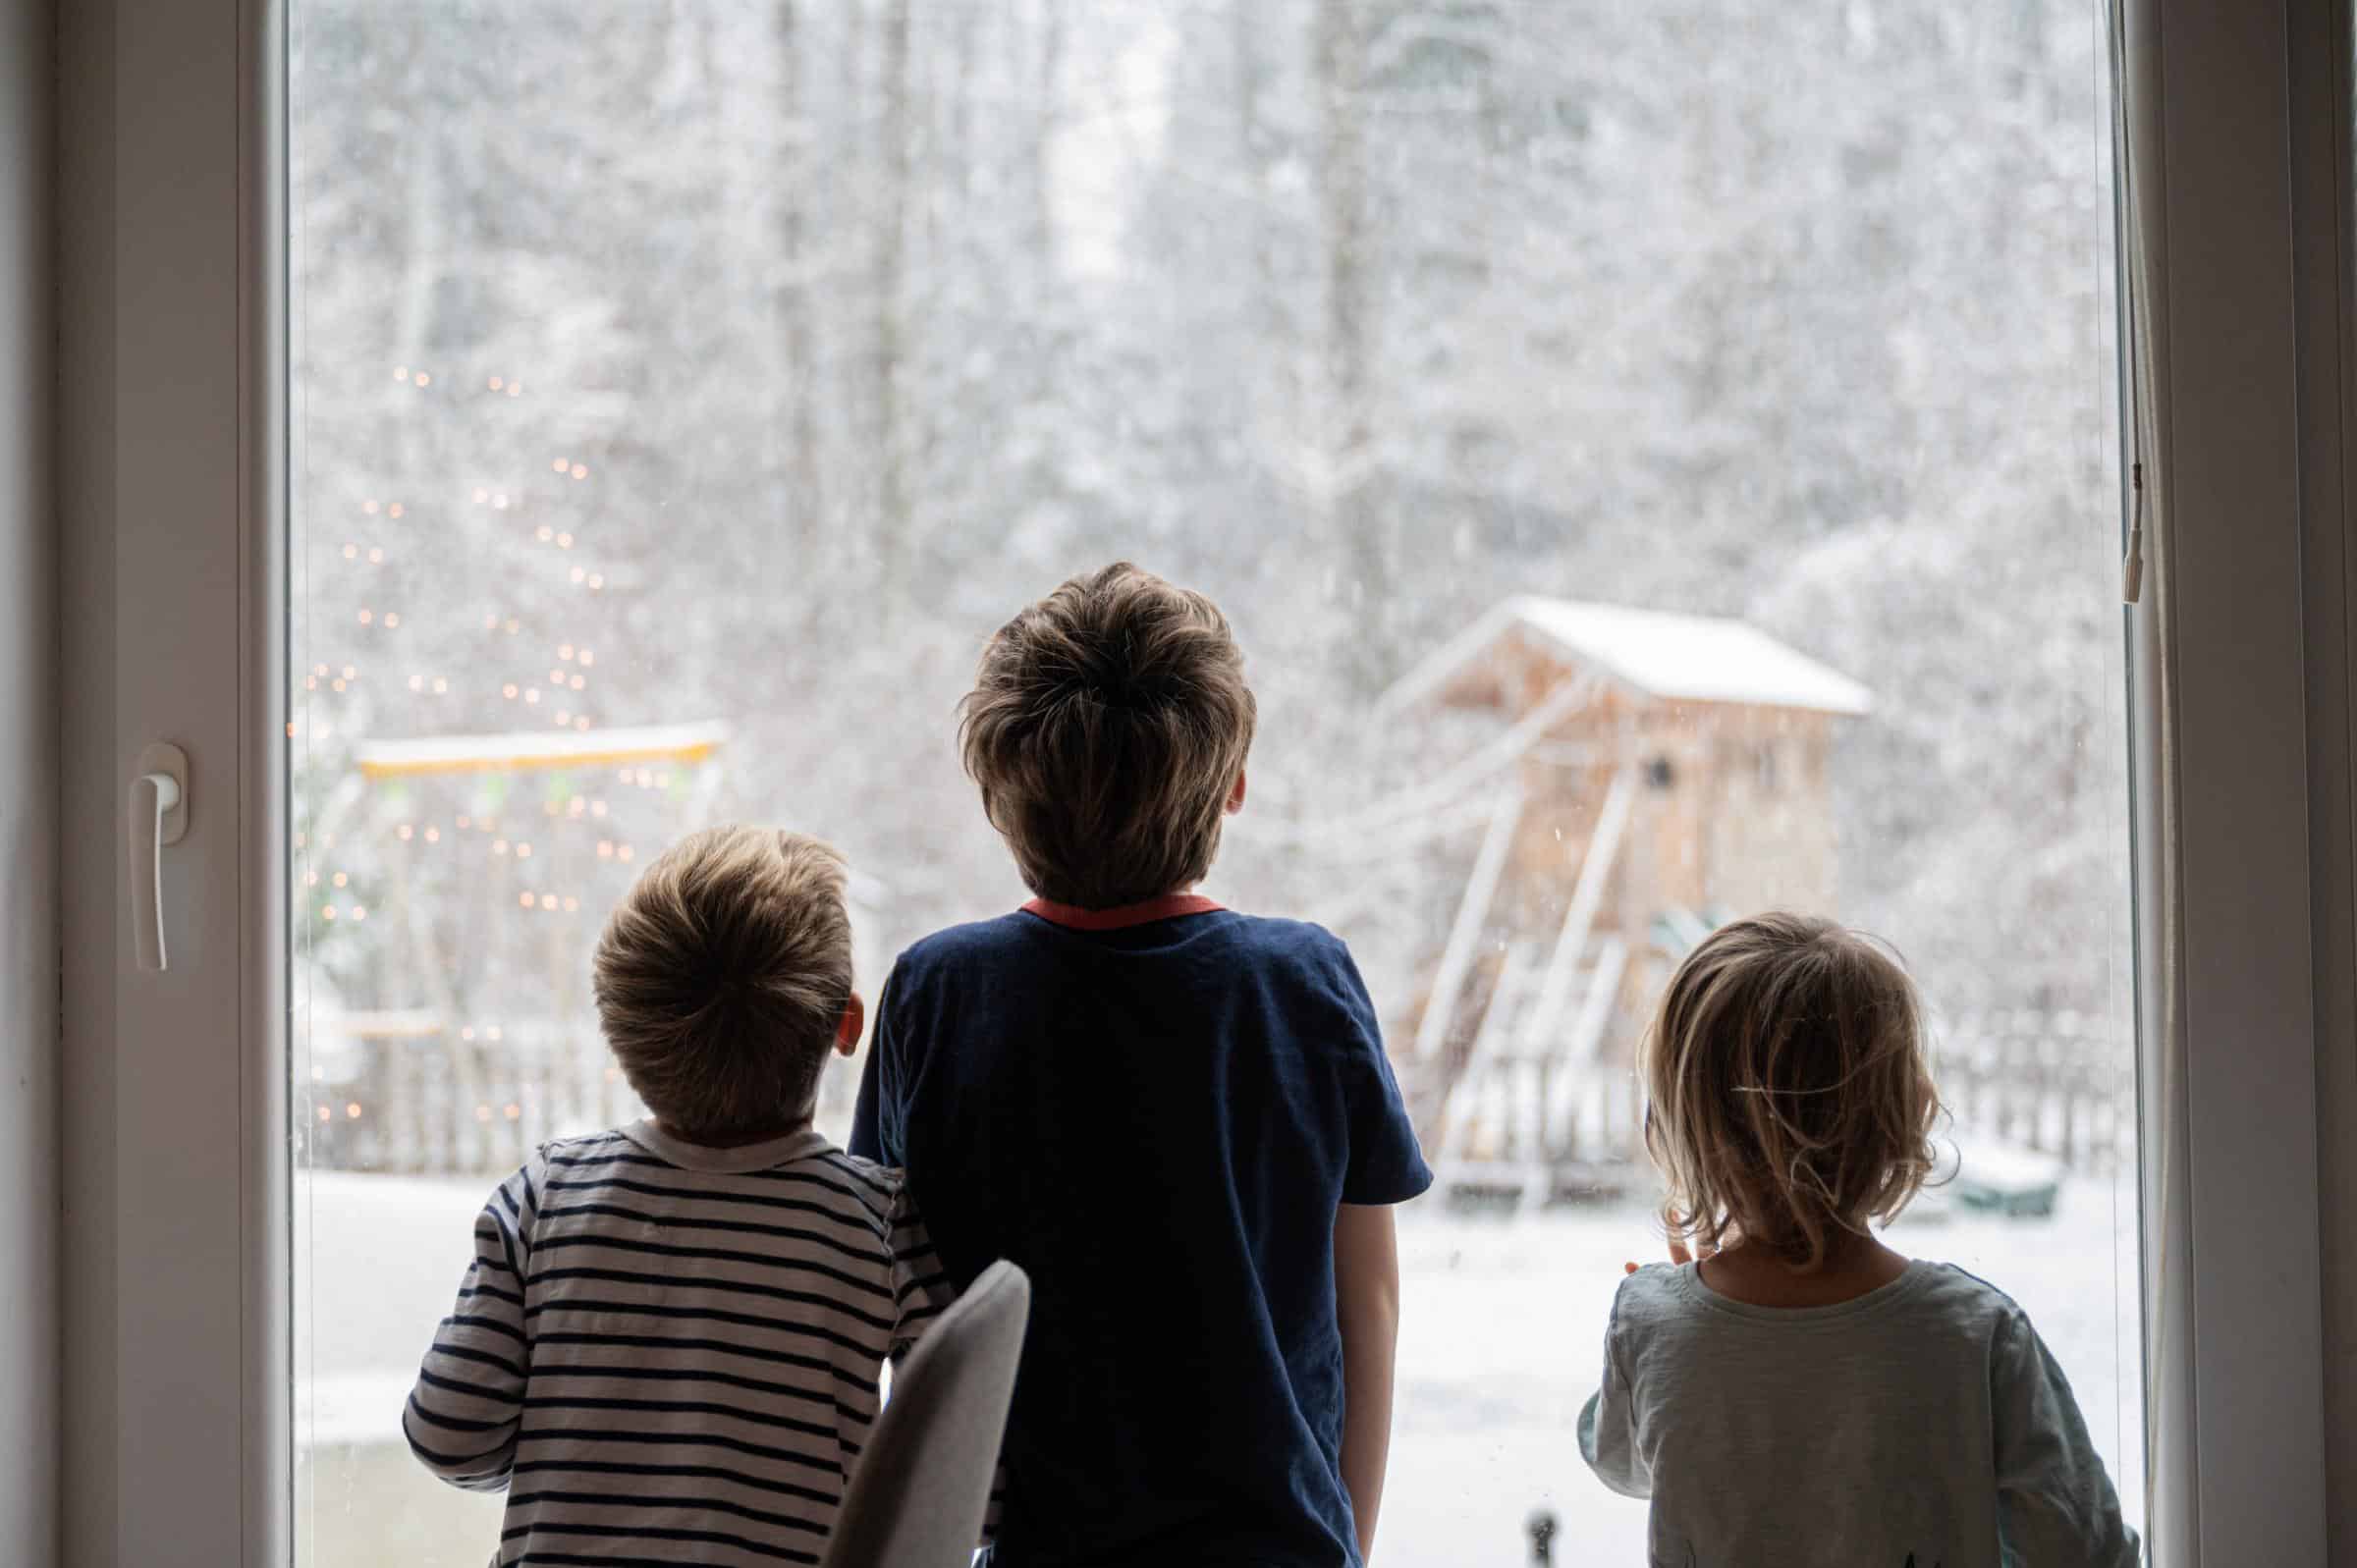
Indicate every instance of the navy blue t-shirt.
{"type": "Point", "coordinates": [1156, 1114]}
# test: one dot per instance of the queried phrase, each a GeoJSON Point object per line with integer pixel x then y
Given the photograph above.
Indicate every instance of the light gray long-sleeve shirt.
{"type": "Point", "coordinates": [1923, 1424]}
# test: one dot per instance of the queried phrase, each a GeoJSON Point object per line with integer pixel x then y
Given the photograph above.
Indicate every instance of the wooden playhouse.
{"type": "Point", "coordinates": [1651, 774]}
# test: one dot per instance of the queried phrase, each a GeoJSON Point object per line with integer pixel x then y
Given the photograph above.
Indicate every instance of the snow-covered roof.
{"type": "Point", "coordinates": [1672, 657]}
{"type": "Point", "coordinates": [503, 754]}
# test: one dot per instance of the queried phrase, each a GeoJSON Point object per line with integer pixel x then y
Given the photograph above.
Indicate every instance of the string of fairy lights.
{"type": "Point", "coordinates": [495, 844]}
{"type": "Point", "coordinates": [373, 617]}
{"type": "Point", "coordinates": [557, 695]}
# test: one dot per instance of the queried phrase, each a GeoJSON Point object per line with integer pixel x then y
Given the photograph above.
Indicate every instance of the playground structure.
{"type": "Point", "coordinates": [1654, 771]}
{"type": "Point", "coordinates": [1643, 775]}
{"type": "Point", "coordinates": [495, 1049]}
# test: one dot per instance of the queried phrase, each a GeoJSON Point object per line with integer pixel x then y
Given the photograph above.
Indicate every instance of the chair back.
{"type": "Point", "coordinates": [918, 1495]}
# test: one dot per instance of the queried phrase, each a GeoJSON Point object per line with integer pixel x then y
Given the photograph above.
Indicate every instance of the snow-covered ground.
{"type": "Point", "coordinates": [1503, 1325]}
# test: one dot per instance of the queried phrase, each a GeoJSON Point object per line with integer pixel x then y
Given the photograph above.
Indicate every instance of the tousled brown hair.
{"type": "Point", "coordinates": [1107, 725]}
{"type": "Point", "coordinates": [1791, 1101]}
{"type": "Point", "coordinates": [721, 977]}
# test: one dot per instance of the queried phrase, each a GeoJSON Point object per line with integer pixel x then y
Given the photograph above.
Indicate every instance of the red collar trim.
{"type": "Point", "coordinates": [1167, 906]}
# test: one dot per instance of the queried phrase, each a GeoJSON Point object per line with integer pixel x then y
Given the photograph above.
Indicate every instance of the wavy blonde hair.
{"type": "Point", "coordinates": [1791, 1099]}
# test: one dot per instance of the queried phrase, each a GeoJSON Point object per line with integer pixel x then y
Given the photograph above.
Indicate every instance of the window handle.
{"type": "Point", "coordinates": [159, 816]}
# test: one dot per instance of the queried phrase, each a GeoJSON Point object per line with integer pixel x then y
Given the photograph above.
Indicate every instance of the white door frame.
{"type": "Point", "coordinates": [173, 504]}
{"type": "Point", "coordinates": [2325, 241]}
{"type": "Point", "coordinates": [2234, 1331]}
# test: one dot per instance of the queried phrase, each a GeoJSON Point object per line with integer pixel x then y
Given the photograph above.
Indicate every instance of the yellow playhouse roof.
{"type": "Point", "coordinates": [540, 749]}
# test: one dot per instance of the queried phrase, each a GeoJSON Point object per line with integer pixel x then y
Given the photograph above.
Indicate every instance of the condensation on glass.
{"type": "Point", "coordinates": [1659, 461]}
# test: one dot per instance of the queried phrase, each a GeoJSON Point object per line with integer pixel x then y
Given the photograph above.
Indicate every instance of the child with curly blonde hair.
{"type": "Point", "coordinates": [1789, 1389]}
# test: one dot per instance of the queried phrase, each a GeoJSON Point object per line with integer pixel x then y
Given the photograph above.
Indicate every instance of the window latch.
{"type": "Point", "coordinates": [159, 816]}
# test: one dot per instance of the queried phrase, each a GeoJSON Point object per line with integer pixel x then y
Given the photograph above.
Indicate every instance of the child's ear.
{"type": "Point", "coordinates": [848, 1030]}
{"type": "Point", "coordinates": [1236, 796]}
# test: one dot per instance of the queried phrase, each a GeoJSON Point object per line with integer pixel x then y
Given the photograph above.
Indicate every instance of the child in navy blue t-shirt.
{"type": "Point", "coordinates": [1177, 1118]}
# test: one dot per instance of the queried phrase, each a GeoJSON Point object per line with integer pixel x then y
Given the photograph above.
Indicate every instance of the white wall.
{"type": "Point", "coordinates": [28, 785]}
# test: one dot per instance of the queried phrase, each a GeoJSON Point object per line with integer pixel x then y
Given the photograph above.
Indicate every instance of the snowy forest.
{"type": "Point", "coordinates": [683, 389]}
{"type": "Point", "coordinates": [675, 363]}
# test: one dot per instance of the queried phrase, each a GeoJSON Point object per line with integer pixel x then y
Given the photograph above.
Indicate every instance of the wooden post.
{"type": "Point", "coordinates": [1457, 958]}
{"type": "Point", "coordinates": [1587, 895]}
{"type": "Point", "coordinates": [1459, 1114]}
{"type": "Point", "coordinates": [1587, 1034]}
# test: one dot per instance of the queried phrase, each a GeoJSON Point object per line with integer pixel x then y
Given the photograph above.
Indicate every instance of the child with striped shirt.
{"type": "Point", "coordinates": [669, 1340]}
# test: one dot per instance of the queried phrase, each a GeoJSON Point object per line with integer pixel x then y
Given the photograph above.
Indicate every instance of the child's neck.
{"type": "Point", "coordinates": [735, 1140]}
{"type": "Point", "coordinates": [1851, 1266]}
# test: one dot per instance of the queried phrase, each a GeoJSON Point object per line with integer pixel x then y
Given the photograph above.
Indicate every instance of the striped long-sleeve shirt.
{"type": "Point", "coordinates": [671, 1353]}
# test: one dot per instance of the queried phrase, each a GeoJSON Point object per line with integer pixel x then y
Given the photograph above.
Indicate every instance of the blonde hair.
{"type": "Point", "coordinates": [1790, 1097]}
{"type": "Point", "coordinates": [1107, 725]}
{"type": "Point", "coordinates": [723, 976]}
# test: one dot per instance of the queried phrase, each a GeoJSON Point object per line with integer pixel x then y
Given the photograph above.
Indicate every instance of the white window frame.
{"type": "Point", "coordinates": [176, 1366]}
{"type": "Point", "coordinates": [171, 473]}
{"type": "Point", "coordinates": [2225, 115]}
{"type": "Point", "coordinates": [2323, 148]}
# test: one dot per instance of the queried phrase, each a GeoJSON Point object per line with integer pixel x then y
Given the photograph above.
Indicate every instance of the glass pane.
{"type": "Point", "coordinates": [683, 391]}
